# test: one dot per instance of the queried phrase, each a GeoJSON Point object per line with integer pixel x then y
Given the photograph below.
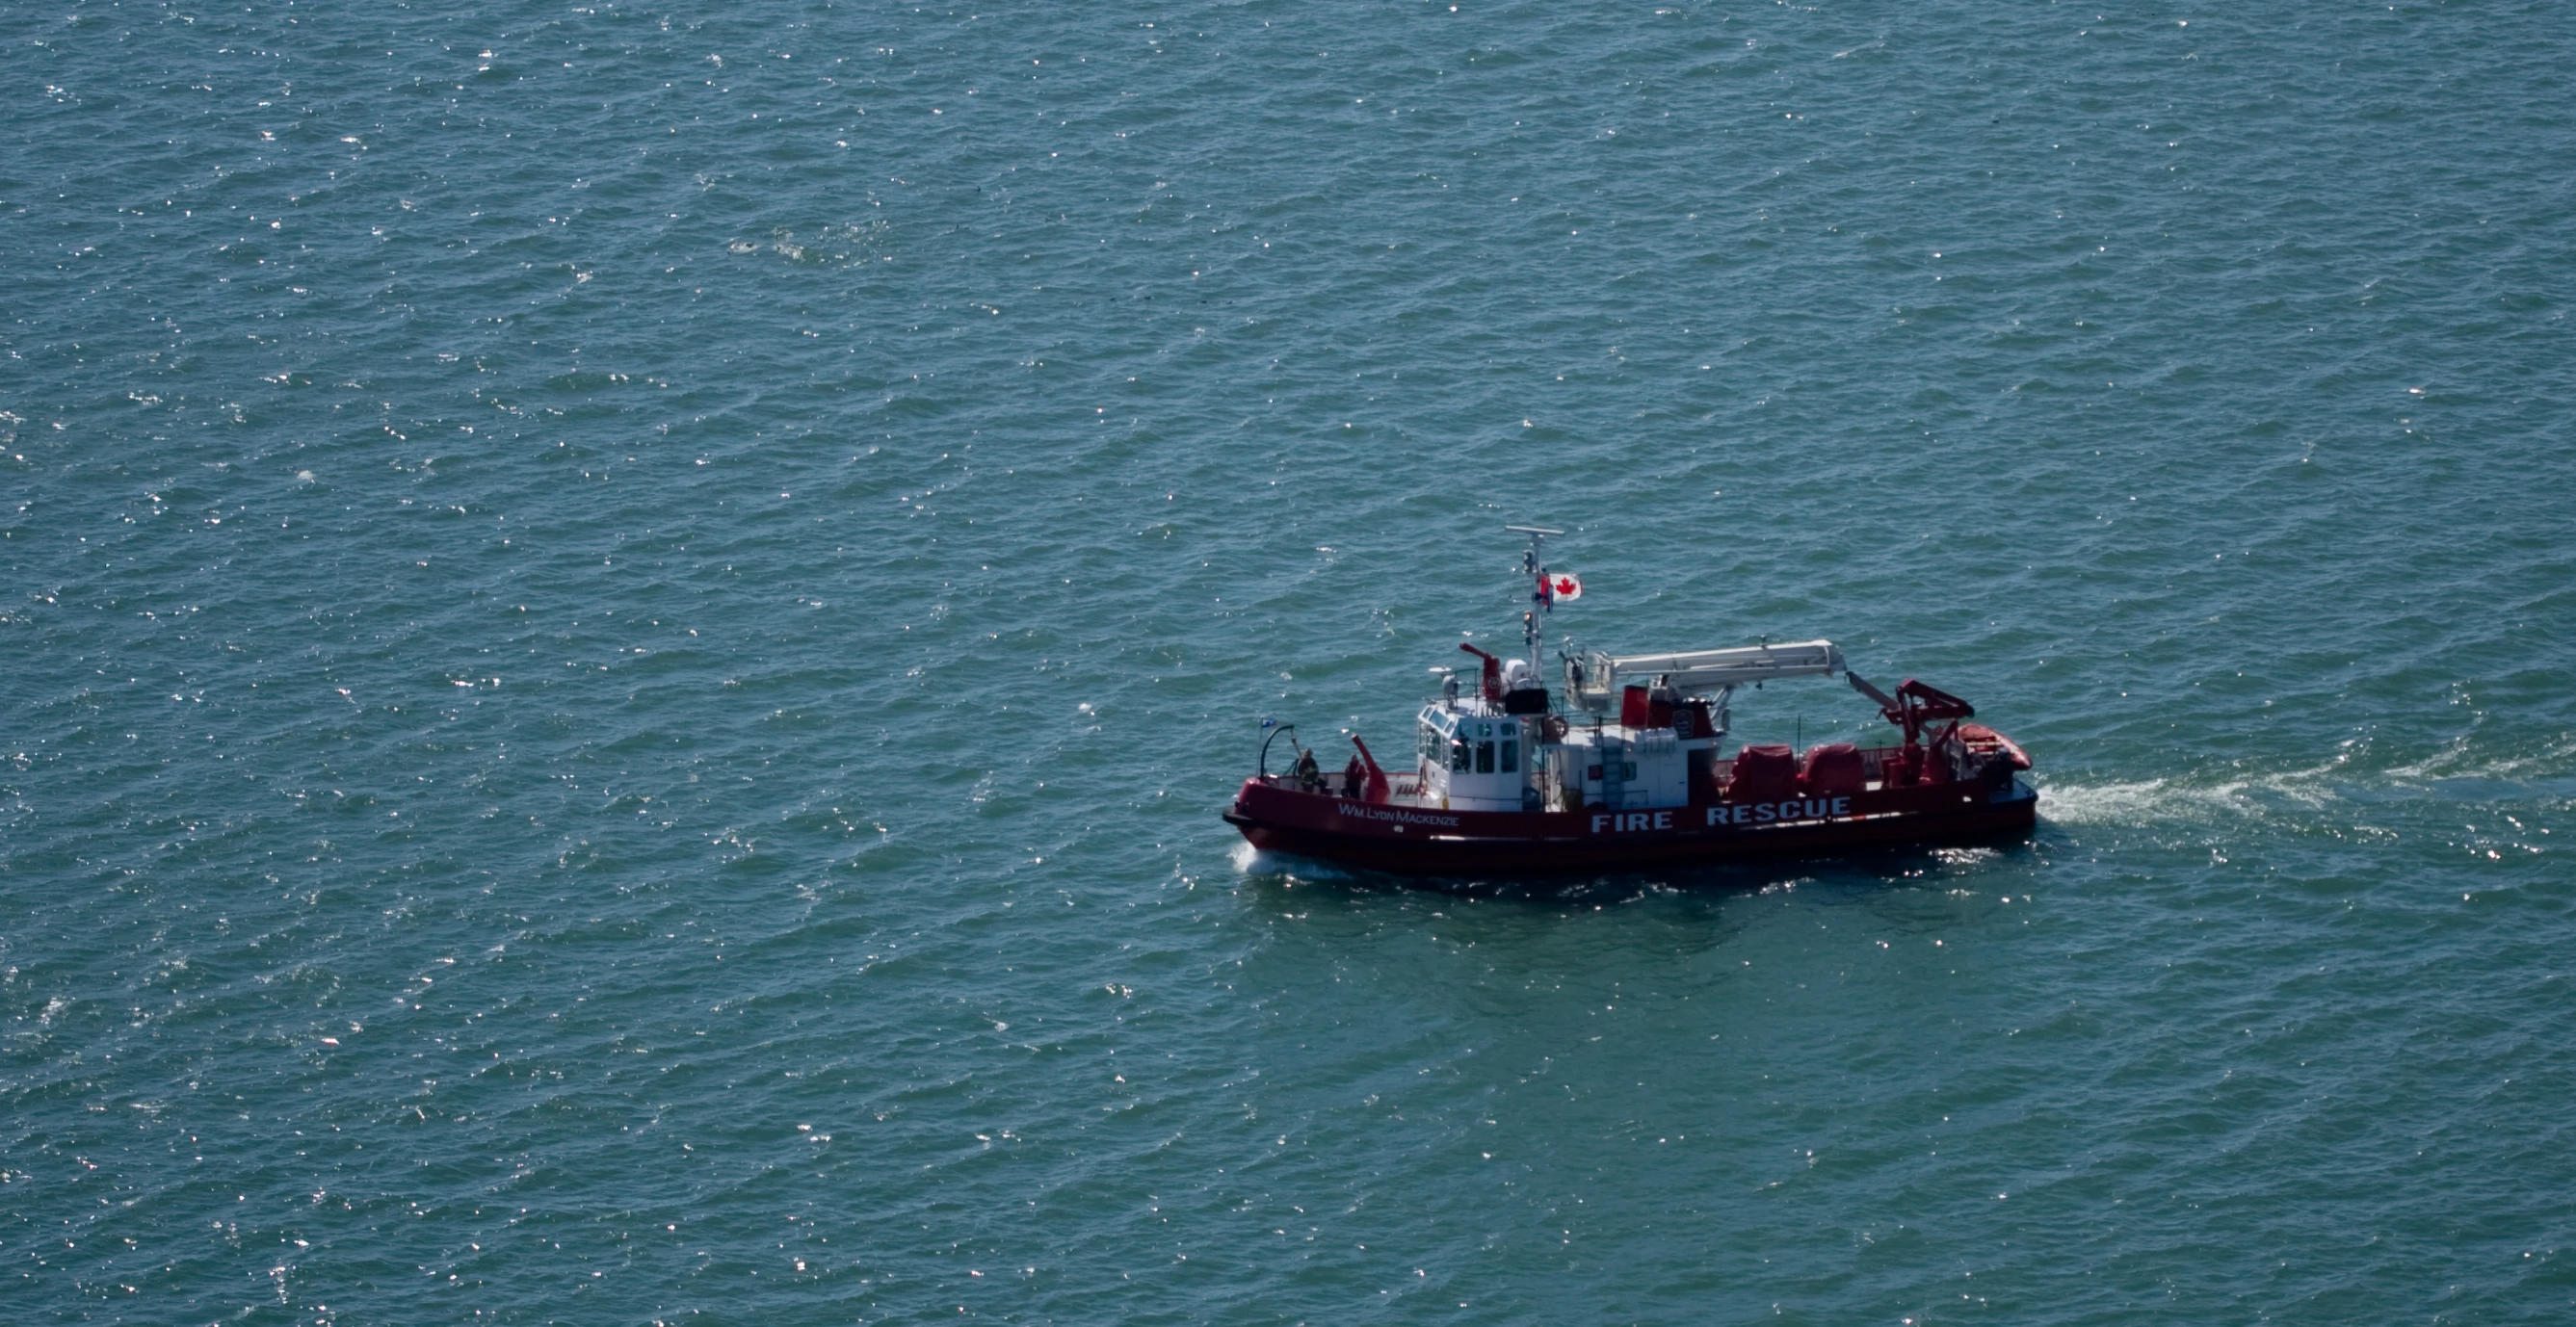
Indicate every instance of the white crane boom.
{"type": "Point", "coordinates": [1704, 670]}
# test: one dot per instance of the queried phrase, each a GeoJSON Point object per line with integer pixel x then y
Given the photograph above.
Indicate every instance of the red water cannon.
{"type": "Point", "coordinates": [1493, 682]}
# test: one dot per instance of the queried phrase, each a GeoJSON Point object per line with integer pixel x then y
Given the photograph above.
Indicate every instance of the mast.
{"type": "Point", "coordinates": [1535, 568]}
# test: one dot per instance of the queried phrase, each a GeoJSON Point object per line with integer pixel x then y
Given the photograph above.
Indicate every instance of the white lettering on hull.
{"type": "Point", "coordinates": [1804, 809]}
{"type": "Point", "coordinates": [1625, 822]}
{"type": "Point", "coordinates": [1772, 813]}
{"type": "Point", "coordinates": [1401, 816]}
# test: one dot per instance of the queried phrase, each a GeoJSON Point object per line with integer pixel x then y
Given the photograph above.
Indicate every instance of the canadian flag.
{"type": "Point", "coordinates": [1564, 585]}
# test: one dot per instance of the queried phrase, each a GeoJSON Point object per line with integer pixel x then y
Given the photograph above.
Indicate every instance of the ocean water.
{"type": "Point", "coordinates": [624, 629]}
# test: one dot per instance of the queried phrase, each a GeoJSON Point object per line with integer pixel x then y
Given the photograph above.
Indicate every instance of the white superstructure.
{"type": "Point", "coordinates": [1474, 757]}
{"type": "Point", "coordinates": [1638, 733]}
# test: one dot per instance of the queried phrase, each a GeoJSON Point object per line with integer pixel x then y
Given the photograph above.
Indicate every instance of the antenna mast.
{"type": "Point", "coordinates": [1536, 569]}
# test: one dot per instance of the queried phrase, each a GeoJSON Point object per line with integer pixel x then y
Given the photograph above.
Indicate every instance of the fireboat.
{"type": "Point", "coordinates": [1629, 769]}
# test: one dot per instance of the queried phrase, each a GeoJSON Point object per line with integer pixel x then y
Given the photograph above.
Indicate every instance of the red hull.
{"type": "Point", "coordinates": [1428, 841]}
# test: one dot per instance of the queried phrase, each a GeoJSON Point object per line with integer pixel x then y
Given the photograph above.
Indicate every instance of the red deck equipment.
{"type": "Point", "coordinates": [1835, 767]}
{"type": "Point", "coordinates": [1763, 773]}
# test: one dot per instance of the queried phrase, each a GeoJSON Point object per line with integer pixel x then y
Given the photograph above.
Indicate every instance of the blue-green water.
{"type": "Point", "coordinates": [624, 630]}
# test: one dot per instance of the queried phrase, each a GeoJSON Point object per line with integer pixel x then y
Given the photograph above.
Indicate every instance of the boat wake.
{"type": "Point", "coordinates": [2163, 801]}
{"type": "Point", "coordinates": [2455, 774]}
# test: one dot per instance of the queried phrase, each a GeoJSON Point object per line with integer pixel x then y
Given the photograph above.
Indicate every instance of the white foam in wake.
{"type": "Point", "coordinates": [2162, 800]}
{"type": "Point", "coordinates": [2108, 803]}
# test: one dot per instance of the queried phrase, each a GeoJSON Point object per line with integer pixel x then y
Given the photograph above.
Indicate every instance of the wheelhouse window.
{"type": "Point", "coordinates": [1484, 757]}
{"type": "Point", "coordinates": [1511, 757]}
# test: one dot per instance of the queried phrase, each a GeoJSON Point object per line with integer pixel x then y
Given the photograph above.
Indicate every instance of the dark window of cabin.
{"type": "Point", "coordinates": [1511, 757]}
{"type": "Point", "coordinates": [1484, 757]}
